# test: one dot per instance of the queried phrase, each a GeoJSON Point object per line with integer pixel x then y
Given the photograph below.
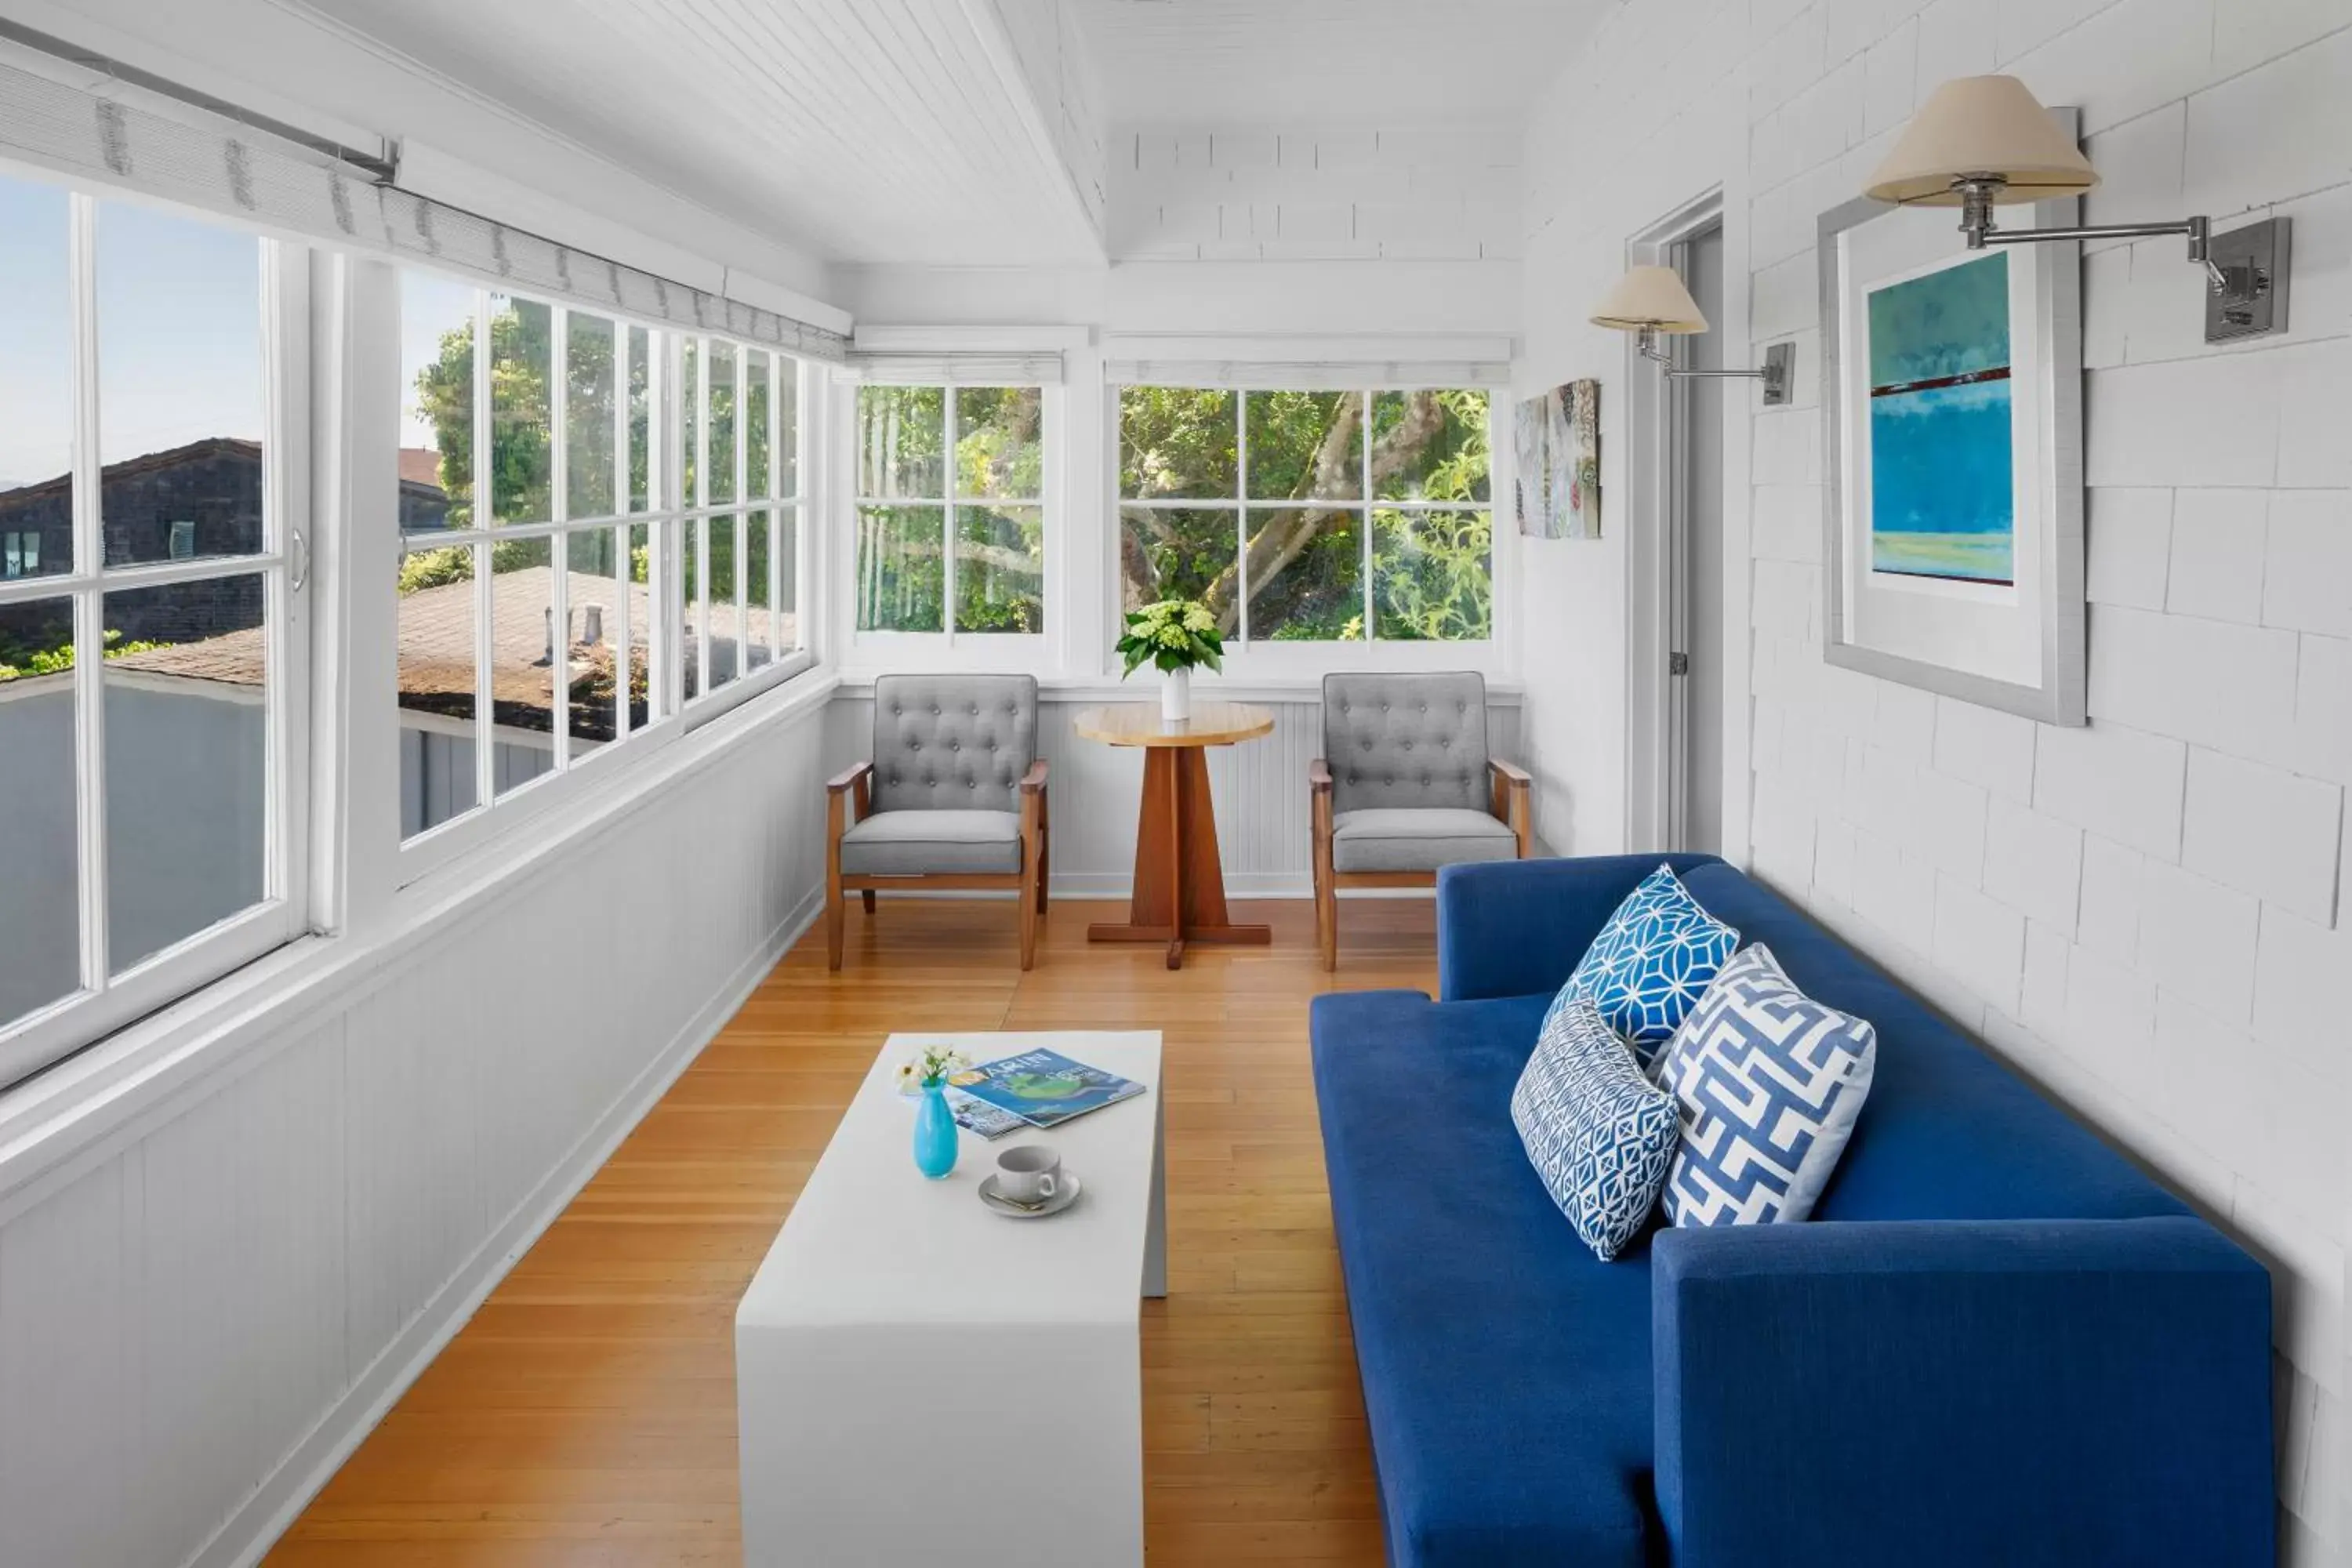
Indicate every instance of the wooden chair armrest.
{"type": "Point", "coordinates": [848, 777]}
{"type": "Point", "coordinates": [1318, 775]}
{"type": "Point", "coordinates": [1513, 787]}
{"type": "Point", "coordinates": [1034, 781]}
{"type": "Point", "coordinates": [1511, 770]}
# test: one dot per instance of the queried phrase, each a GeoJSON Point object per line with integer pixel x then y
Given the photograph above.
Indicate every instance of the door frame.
{"type": "Point", "coordinates": [1654, 592]}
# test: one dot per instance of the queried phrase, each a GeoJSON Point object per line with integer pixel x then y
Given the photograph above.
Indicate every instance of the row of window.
{"type": "Point", "coordinates": [602, 526]}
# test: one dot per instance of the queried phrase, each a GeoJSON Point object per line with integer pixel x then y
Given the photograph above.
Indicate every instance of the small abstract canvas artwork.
{"type": "Point", "coordinates": [1942, 485]}
{"type": "Point", "coordinates": [1556, 441]}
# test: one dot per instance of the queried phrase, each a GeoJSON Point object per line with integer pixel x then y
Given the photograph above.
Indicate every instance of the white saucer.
{"type": "Point", "coordinates": [1065, 1193]}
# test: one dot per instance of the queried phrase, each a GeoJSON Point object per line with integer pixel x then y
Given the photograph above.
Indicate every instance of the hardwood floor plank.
{"type": "Point", "coordinates": [586, 1417]}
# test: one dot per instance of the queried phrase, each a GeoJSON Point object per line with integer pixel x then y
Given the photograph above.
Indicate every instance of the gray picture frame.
{"type": "Point", "coordinates": [2060, 695]}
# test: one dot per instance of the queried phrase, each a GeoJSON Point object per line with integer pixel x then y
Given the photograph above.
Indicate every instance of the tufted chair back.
{"type": "Point", "coordinates": [952, 743]}
{"type": "Point", "coordinates": [1406, 740]}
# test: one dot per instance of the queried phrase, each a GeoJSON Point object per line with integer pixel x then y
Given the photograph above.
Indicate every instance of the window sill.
{"type": "Point", "coordinates": [114, 1090]}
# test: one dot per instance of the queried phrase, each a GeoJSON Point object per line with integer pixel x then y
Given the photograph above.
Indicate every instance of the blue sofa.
{"type": "Point", "coordinates": [1997, 1341]}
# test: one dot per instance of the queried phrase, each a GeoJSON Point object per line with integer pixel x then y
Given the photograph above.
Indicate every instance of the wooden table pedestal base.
{"type": "Point", "coordinates": [1180, 890]}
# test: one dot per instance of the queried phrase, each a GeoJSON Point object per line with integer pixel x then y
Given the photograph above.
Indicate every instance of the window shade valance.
{"type": "Point", "coordinates": [226, 167]}
{"type": "Point", "coordinates": [1307, 362]}
{"type": "Point", "coordinates": [1029, 369]}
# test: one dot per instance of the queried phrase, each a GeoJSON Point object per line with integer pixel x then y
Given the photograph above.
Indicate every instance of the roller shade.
{"type": "Point", "coordinates": [1329, 364]}
{"type": "Point", "coordinates": [1036, 369]}
{"type": "Point", "coordinates": [218, 165]}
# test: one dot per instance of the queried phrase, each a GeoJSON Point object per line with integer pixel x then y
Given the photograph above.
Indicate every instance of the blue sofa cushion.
{"type": "Point", "coordinates": [1506, 1369]}
{"type": "Point", "coordinates": [1599, 1132]}
{"type": "Point", "coordinates": [1652, 962]}
{"type": "Point", "coordinates": [1767, 1082]}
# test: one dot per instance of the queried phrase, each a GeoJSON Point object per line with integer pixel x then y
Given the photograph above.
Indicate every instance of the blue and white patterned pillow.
{"type": "Point", "coordinates": [1769, 1082]}
{"type": "Point", "coordinates": [1599, 1132]}
{"type": "Point", "coordinates": [1652, 962]}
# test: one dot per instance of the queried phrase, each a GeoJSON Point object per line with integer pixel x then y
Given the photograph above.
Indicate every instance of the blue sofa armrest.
{"type": "Point", "coordinates": [1512, 928]}
{"type": "Point", "coordinates": [2021, 1391]}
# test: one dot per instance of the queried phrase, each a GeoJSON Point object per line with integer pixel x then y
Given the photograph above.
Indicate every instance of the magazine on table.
{"type": "Point", "coordinates": [973, 1115]}
{"type": "Point", "coordinates": [1044, 1088]}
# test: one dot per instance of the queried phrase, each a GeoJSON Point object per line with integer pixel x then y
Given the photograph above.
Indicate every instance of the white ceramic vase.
{"type": "Point", "coordinates": [1175, 695]}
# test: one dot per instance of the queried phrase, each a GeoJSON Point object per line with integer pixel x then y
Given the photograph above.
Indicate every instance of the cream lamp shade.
{"type": "Point", "coordinates": [1651, 297]}
{"type": "Point", "coordinates": [1981, 125]}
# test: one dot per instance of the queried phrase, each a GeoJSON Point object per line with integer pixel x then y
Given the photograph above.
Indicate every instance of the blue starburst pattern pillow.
{"type": "Point", "coordinates": [1598, 1132]}
{"type": "Point", "coordinates": [1767, 1083]}
{"type": "Point", "coordinates": [1652, 962]}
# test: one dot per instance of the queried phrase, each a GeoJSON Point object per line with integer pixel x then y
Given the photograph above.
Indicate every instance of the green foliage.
{"type": "Point", "coordinates": [1173, 634]}
{"type": "Point", "coordinates": [18, 662]}
{"type": "Point", "coordinates": [903, 473]}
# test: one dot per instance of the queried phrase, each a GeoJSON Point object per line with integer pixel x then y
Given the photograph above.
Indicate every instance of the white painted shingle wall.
{"type": "Point", "coordinates": [2147, 915]}
{"type": "Point", "coordinates": [1252, 194]}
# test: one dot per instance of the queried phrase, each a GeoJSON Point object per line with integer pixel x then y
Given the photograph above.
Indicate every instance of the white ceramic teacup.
{"type": "Point", "coordinates": [1029, 1174]}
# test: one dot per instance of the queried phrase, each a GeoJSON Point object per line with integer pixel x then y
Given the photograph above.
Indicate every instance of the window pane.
{"type": "Point", "coordinates": [188, 754]}
{"type": "Point", "coordinates": [522, 671]}
{"type": "Point", "coordinates": [436, 688]}
{"type": "Point", "coordinates": [788, 594]}
{"type": "Point", "coordinates": [1167, 554]}
{"type": "Point", "coordinates": [1306, 574]}
{"type": "Point", "coordinates": [999, 443]}
{"type": "Point", "coordinates": [900, 569]}
{"type": "Point", "coordinates": [1433, 574]}
{"type": "Point", "coordinates": [758, 407]}
{"type": "Point", "coordinates": [900, 431]}
{"type": "Point", "coordinates": [689, 560]}
{"type": "Point", "coordinates": [641, 624]}
{"type": "Point", "coordinates": [788, 427]}
{"type": "Point", "coordinates": [726, 623]}
{"type": "Point", "coordinates": [1000, 569]}
{"type": "Point", "coordinates": [588, 417]}
{"type": "Point", "coordinates": [1430, 445]}
{"type": "Point", "coordinates": [37, 381]}
{"type": "Point", "coordinates": [721, 364]}
{"type": "Point", "coordinates": [759, 620]}
{"type": "Point", "coordinates": [523, 336]}
{"type": "Point", "coordinates": [1304, 445]}
{"type": "Point", "coordinates": [592, 588]}
{"type": "Point", "coordinates": [640, 419]}
{"type": "Point", "coordinates": [436, 402]}
{"type": "Point", "coordinates": [690, 403]}
{"type": "Point", "coordinates": [40, 898]}
{"type": "Point", "coordinates": [179, 384]}
{"type": "Point", "coordinates": [1177, 442]}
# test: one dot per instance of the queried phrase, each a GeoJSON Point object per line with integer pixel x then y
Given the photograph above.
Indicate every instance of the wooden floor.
{"type": "Point", "coordinates": [586, 1415]}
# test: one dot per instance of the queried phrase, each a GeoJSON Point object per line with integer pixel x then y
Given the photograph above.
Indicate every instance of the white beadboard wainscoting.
{"type": "Point", "coordinates": [204, 1308]}
{"type": "Point", "coordinates": [1259, 786]}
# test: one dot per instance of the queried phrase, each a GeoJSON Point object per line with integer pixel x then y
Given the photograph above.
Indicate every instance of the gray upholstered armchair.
{"type": "Point", "coordinates": [954, 798]}
{"type": "Point", "coordinates": [1404, 785]}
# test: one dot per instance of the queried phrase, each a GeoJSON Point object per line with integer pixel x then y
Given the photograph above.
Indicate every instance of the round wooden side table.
{"type": "Point", "coordinates": [1179, 888]}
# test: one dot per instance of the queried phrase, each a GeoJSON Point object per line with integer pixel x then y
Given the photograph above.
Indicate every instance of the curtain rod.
{"type": "Point", "coordinates": [382, 169]}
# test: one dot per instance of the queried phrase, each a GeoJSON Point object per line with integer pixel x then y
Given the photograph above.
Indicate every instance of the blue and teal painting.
{"type": "Point", "coordinates": [1941, 503]}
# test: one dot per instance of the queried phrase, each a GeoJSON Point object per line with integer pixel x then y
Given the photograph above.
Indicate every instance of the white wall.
{"type": "Point", "coordinates": [202, 1310]}
{"type": "Point", "coordinates": [2146, 915]}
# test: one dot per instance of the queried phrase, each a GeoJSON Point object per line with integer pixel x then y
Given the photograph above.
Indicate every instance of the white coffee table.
{"type": "Point", "coordinates": [919, 1381]}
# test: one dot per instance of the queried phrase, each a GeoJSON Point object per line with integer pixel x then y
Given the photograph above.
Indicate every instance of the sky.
{"type": "Point", "coordinates": [179, 327]}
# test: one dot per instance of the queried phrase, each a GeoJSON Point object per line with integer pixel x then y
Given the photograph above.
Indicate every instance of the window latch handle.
{"type": "Point", "coordinates": [301, 562]}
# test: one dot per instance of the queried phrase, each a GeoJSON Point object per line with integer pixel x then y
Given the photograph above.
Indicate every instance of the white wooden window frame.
{"type": "Point", "coordinates": [106, 1002]}
{"type": "Point", "coordinates": [1261, 660]}
{"type": "Point", "coordinates": [670, 511]}
{"type": "Point", "coordinates": [880, 652]}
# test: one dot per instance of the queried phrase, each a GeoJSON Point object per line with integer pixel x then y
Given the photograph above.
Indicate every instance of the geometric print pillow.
{"type": "Point", "coordinates": [1767, 1082]}
{"type": "Point", "coordinates": [1652, 962]}
{"type": "Point", "coordinates": [1599, 1132]}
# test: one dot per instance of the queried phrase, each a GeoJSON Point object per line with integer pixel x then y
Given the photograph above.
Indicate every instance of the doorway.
{"type": "Point", "coordinates": [1694, 543]}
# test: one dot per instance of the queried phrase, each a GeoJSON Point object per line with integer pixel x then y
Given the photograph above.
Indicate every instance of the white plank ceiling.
{"type": "Point", "coordinates": [1179, 63]}
{"type": "Point", "coordinates": [862, 129]}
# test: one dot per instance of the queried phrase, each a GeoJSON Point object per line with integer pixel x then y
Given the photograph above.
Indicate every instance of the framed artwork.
{"type": "Point", "coordinates": [1556, 440]}
{"type": "Point", "coordinates": [1953, 410]}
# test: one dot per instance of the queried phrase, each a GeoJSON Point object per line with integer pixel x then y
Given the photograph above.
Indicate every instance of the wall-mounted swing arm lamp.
{"type": "Point", "coordinates": [1651, 303]}
{"type": "Point", "coordinates": [1982, 141]}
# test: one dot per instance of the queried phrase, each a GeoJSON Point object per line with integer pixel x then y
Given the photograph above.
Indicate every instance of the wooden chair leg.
{"type": "Point", "coordinates": [1028, 907]}
{"type": "Point", "coordinates": [867, 894]}
{"type": "Point", "coordinates": [836, 910]}
{"type": "Point", "coordinates": [1331, 926]}
{"type": "Point", "coordinates": [1045, 850]}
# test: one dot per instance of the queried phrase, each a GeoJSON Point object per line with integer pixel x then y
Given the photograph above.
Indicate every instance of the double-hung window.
{"type": "Point", "coordinates": [599, 532]}
{"type": "Point", "coordinates": [950, 510]}
{"type": "Point", "coordinates": [1310, 516]}
{"type": "Point", "coordinates": [151, 651]}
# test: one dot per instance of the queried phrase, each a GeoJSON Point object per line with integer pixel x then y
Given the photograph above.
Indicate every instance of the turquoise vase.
{"type": "Point", "coordinates": [935, 1133]}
